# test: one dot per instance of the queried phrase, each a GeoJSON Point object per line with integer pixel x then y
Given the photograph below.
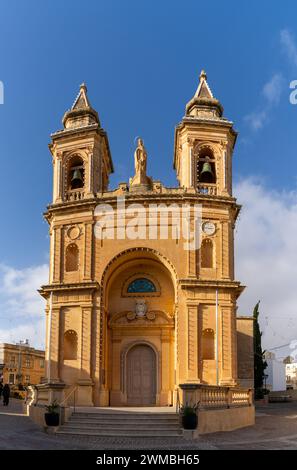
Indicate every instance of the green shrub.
{"type": "Point", "coordinates": [189, 410]}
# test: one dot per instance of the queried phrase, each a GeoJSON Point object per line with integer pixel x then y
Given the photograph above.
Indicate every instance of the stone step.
{"type": "Point", "coordinates": [123, 423]}
{"type": "Point", "coordinates": [136, 426]}
{"type": "Point", "coordinates": [127, 415]}
{"type": "Point", "coordinates": [113, 423]}
{"type": "Point", "coordinates": [118, 432]}
{"type": "Point", "coordinates": [108, 420]}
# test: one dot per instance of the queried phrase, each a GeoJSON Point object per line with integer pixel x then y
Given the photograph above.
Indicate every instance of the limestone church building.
{"type": "Point", "coordinates": [129, 319]}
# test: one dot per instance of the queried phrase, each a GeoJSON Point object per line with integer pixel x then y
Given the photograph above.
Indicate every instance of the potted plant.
{"type": "Point", "coordinates": [189, 415]}
{"type": "Point", "coordinates": [52, 416]}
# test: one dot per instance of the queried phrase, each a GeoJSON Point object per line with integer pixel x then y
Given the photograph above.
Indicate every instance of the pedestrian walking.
{"type": "Point", "coordinates": [6, 394]}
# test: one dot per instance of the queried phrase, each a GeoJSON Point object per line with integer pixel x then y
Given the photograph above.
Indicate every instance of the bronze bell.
{"type": "Point", "coordinates": [77, 179]}
{"type": "Point", "coordinates": [207, 168]}
{"type": "Point", "coordinates": [77, 176]}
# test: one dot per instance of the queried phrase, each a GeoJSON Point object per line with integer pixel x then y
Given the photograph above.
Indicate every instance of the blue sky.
{"type": "Point", "coordinates": [141, 62]}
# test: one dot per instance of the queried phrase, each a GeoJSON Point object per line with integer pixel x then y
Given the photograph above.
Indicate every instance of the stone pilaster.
{"type": "Point", "coordinates": [227, 372]}
{"type": "Point", "coordinates": [54, 344]}
{"type": "Point", "coordinates": [88, 251]}
{"type": "Point", "coordinates": [57, 254]}
{"type": "Point", "coordinates": [192, 333]}
{"type": "Point", "coordinates": [166, 364]}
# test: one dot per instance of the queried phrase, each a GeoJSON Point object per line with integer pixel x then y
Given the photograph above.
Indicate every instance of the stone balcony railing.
{"type": "Point", "coordinates": [74, 195]}
{"type": "Point", "coordinates": [214, 397]}
{"type": "Point", "coordinates": [207, 188]}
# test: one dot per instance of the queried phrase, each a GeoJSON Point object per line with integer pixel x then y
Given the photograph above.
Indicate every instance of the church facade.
{"type": "Point", "coordinates": [133, 312]}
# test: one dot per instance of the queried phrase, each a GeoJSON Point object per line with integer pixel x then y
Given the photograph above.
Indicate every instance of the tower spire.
{"type": "Point", "coordinates": [203, 102]}
{"type": "Point", "coordinates": [203, 90]}
{"type": "Point", "coordinates": [81, 113]}
{"type": "Point", "coordinates": [82, 100]}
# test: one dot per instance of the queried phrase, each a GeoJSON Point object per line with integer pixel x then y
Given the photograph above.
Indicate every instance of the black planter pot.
{"type": "Point", "coordinates": [52, 419]}
{"type": "Point", "coordinates": [190, 421]}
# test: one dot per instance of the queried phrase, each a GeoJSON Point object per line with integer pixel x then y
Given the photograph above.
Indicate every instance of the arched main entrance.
{"type": "Point", "coordinates": [141, 376]}
{"type": "Point", "coordinates": [139, 294]}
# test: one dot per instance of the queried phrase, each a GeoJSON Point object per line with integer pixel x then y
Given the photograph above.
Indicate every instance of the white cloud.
{"type": "Point", "coordinates": [288, 43]}
{"type": "Point", "coordinates": [266, 259]}
{"type": "Point", "coordinates": [272, 90]}
{"type": "Point", "coordinates": [256, 120]}
{"type": "Point", "coordinates": [21, 306]}
{"type": "Point", "coordinates": [34, 331]}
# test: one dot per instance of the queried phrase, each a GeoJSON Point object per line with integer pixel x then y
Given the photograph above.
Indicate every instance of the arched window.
{"type": "Point", "coordinates": [76, 173]}
{"type": "Point", "coordinates": [206, 168]}
{"type": "Point", "coordinates": [207, 257]}
{"type": "Point", "coordinates": [141, 285]}
{"type": "Point", "coordinates": [208, 344]}
{"type": "Point", "coordinates": [72, 257]}
{"type": "Point", "coordinates": [70, 345]}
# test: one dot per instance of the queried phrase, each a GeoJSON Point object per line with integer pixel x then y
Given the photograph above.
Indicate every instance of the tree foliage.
{"type": "Point", "coordinates": [259, 361]}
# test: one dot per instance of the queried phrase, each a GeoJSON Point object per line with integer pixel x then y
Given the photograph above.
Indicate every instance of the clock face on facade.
{"type": "Point", "coordinates": [209, 228]}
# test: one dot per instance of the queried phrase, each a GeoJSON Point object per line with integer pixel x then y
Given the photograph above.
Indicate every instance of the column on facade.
{"type": "Point", "coordinates": [54, 345]}
{"type": "Point", "coordinates": [193, 351]}
{"type": "Point", "coordinates": [225, 249]}
{"type": "Point", "coordinates": [87, 273]}
{"type": "Point", "coordinates": [85, 366]}
{"type": "Point", "coordinates": [116, 369]}
{"type": "Point", "coordinates": [56, 255]}
{"type": "Point", "coordinates": [166, 367]}
{"type": "Point", "coordinates": [90, 173]}
{"type": "Point", "coordinates": [57, 189]}
{"type": "Point", "coordinates": [227, 345]}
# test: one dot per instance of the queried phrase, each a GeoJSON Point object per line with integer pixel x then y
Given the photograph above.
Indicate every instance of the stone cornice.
{"type": "Point", "coordinates": [171, 197]}
{"type": "Point", "coordinates": [62, 287]}
{"type": "Point", "coordinates": [212, 284]}
{"type": "Point", "coordinates": [75, 130]}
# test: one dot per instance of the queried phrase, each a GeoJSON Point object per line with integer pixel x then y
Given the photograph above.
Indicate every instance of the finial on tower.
{"type": "Point", "coordinates": [203, 75]}
{"type": "Point", "coordinates": [84, 86]}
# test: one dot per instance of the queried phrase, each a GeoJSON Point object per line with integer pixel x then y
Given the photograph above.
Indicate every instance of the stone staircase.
{"type": "Point", "coordinates": [115, 423]}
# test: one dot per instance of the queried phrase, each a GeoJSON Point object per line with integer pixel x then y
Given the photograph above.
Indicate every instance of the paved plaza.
{"type": "Point", "coordinates": [276, 428]}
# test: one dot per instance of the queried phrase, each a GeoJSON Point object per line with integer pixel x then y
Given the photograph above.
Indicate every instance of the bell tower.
{"type": "Point", "coordinates": [81, 156]}
{"type": "Point", "coordinates": [204, 143]}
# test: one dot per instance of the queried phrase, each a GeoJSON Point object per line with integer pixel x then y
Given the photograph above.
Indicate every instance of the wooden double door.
{"type": "Point", "coordinates": [141, 376]}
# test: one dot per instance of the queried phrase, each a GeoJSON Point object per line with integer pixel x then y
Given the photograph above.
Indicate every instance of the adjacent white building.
{"type": "Point", "coordinates": [275, 373]}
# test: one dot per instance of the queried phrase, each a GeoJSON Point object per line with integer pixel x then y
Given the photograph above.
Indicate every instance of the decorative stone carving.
{"type": "Point", "coordinates": [157, 316]}
{"type": "Point", "coordinates": [151, 315]}
{"type": "Point", "coordinates": [74, 232]}
{"type": "Point", "coordinates": [131, 316]}
{"type": "Point", "coordinates": [140, 308]}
